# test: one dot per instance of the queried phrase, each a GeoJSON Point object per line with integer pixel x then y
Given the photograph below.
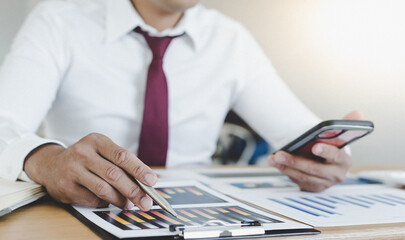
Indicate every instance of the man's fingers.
{"type": "Point", "coordinates": [305, 181]}
{"type": "Point", "coordinates": [331, 154]}
{"type": "Point", "coordinates": [329, 172]}
{"type": "Point", "coordinates": [119, 179]}
{"type": "Point", "coordinates": [84, 197]}
{"type": "Point", "coordinates": [124, 159]}
{"type": "Point", "coordinates": [354, 115]}
{"type": "Point", "coordinates": [77, 194]}
{"type": "Point", "coordinates": [103, 190]}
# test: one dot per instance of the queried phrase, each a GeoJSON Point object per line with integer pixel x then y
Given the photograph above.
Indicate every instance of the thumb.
{"type": "Point", "coordinates": [354, 115]}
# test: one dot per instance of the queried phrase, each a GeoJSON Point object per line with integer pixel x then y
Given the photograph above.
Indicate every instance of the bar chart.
{"type": "Point", "coordinates": [337, 207]}
{"type": "Point", "coordinates": [284, 182]}
{"type": "Point", "coordinates": [241, 174]}
{"type": "Point", "coordinates": [326, 206]}
{"type": "Point", "coordinates": [159, 219]}
{"type": "Point", "coordinates": [187, 195]}
{"type": "Point", "coordinates": [256, 185]}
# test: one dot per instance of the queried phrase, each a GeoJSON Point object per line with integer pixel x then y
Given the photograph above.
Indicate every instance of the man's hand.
{"type": "Point", "coordinates": [92, 172]}
{"type": "Point", "coordinates": [316, 176]}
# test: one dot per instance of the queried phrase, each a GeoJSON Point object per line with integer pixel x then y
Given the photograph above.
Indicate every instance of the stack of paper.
{"type": "Point", "coordinates": [16, 194]}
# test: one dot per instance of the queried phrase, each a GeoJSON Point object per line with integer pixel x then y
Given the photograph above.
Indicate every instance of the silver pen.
{"type": "Point", "coordinates": [157, 198]}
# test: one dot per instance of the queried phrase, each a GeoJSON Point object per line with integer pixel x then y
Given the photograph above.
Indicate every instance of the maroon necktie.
{"type": "Point", "coordinates": [154, 137]}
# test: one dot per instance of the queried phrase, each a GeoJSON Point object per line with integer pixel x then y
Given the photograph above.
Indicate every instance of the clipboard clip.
{"type": "Point", "coordinates": [217, 229]}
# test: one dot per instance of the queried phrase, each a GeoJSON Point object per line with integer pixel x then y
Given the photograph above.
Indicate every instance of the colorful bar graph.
{"type": "Point", "coordinates": [169, 191]}
{"type": "Point", "coordinates": [118, 219]}
{"type": "Point", "coordinates": [145, 215]}
{"type": "Point", "coordinates": [194, 191]}
{"type": "Point", "coordinates": [187, 195]}
{"type": "Point", "coordinates": [134, 220]}
{"type": "Point", "coordinates": [203, 214]}
{"type": "Point", "coordinates": [210, 211]}
{"type": "Point", "coordinates": [123, 224]}
{"type": "Point", "coordinates": [239, 211]}
{"type": "Point", "coordinates": [184, 219]}
{"type": "Point", "coordinates": [131, 216]}
{"type": "Point", "coordinates": [165, 217]}
{"type": "Point", "coordinates": [163, 194]}
{"type": "Point", "coordinates": [222, 210]}
{"type": "Point", "coordinates": [179, 190]}
{"type": "Point", "coordinates": [187, 213]}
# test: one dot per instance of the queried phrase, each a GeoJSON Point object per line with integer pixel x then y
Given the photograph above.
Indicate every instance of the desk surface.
{"type": "Point", "coordinates": [46, 220]}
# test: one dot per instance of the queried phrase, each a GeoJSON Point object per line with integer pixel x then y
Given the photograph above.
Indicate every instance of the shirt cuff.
{"type": "Point", "coordinates": [24, 177]}
{"type": "Point", "coordinates": [13, 157]}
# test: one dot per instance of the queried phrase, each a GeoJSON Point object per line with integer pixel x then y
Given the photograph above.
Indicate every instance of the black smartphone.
{"type": "Point", "coordinates": [334, 132]}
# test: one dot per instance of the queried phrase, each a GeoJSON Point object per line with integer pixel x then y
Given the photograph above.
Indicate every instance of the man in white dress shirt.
{"type": "Point", "coordinates": [80, 70]}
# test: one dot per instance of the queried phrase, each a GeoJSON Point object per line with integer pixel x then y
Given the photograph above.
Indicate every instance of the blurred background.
{"type": "Point", "coordinates": [336, 55]}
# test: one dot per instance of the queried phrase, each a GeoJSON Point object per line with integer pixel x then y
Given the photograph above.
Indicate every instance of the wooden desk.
{"type": "Point", "coordinates": [46, 220]}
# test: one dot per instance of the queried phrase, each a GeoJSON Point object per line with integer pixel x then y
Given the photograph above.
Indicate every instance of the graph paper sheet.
{"type": "Point", "coordinates": [254, 185]}
{"type": "Point", "coordinates": [194, 203]}
{"type": "Point", "coordinates": [337, 206]}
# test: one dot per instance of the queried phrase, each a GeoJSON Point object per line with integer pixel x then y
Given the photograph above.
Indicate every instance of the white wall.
{"type": "Point", "coordinates": [336, 55]}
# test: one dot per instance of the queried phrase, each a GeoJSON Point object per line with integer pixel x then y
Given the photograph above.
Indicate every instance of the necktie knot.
{"type": "Point", "coordinates": [158, 45]}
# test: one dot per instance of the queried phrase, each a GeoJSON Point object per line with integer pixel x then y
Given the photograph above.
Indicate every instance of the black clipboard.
{"type": "Point", "coordinates": [108, 236]}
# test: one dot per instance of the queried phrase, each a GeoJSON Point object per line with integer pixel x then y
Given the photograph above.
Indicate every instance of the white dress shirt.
{"type": "Point", "coordinates": [77, 67]}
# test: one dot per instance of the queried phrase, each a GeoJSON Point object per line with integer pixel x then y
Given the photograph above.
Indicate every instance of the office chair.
{"type": "Point", "coordinates": [237, 145]}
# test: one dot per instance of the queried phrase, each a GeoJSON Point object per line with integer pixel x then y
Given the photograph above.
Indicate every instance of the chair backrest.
{"type": "Point", "coordinates": [236, 145]}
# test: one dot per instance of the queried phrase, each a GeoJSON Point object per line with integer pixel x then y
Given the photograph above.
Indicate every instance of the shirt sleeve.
{"type": "Point", "coordinates": [265, 102]}
{"type": "Point", "coordinates": [29, 81]}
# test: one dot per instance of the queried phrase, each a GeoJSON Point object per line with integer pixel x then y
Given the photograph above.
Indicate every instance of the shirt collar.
{"type": "Point", "coordinates": [122, 19]}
